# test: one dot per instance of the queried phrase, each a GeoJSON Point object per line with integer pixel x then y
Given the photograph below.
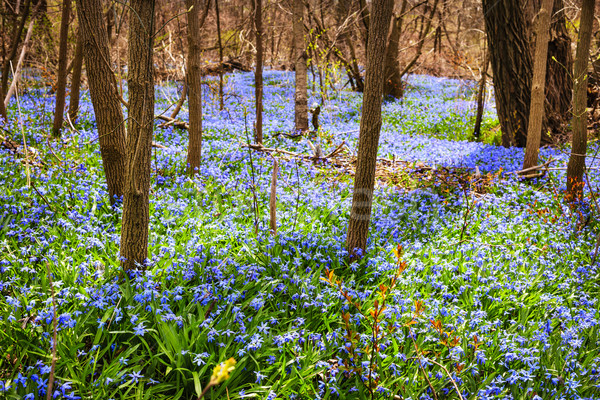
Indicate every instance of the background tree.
{"type": "Point", "coordinates": [61, 84]}
{"type": "Point", "coordinates": [104, 95]}
{"type": "Point", "coordinates": [370, 127]}
{"type": "Point", "coordinates": [76, 79]}
{"type": "Point", "coordinates": [140, 126]}
{"type": "Point", "coordinates": [301, 95]}
{"type": "Point", "coordinates": [512, 67]}
{"type": "Point", "coordinates": [194, 80]}
{"type": "Point", "coordinates": [576, 163]}
{"type": "Point", "coordinates": [393, 78]}
{"type": "Point", "coordinates": [258, 71]}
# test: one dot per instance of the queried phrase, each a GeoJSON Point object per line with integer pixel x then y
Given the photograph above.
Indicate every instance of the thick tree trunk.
{"type": "Point", "coordinates": [301, 93]}
{"type": "Point", "coordinates": [61, 84]}
{"type": "Point", "coordinates": [140, 81]}
{"type": "Point", "coordinates": [104, 95]}
{"type": "Point", "coordinates": [370, 126]}
{"type": "Point", "coordinates": [76, 79]}
{"type": "Point", "coordinates": [576, 164]}
{"type": "Point", "coordinates": [194, 82]}
{"type": "Point", "coordinates": [258, 72]}
{"type": "Point", "coordinates": [512, 67]}
{"type": "Point", "coordinates": [536, 110]}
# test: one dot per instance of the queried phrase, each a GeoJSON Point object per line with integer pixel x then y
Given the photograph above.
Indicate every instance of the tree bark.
{"type": "Point", "coordinates": [61, 84]}
{"type": "Point", "coordinates": [258, 72]}
{"type": "Point", "coordinates": [194, 82]}
{"type": "Point", "coordinates": [370, 127]}
{"type": "Point", "coordinates": [104, 94]}
{"type": "Point", "coordinates": [393, 78]}
{"type": "Point", "coordinates": [576, 164]}
{"type": "Point", "coordinates": [140, 81]}
{"type": "Point", "coordinates": [19, 66]}
{"type": "Point", "coordinates": [76, 79]}
{"type": "Point", "coordinates": [221, 106]}
{"type": "Point", "coordinates": [559, 74]}
{"type": "Point", "coordinates": [512, 67]}
{"type": "Point", "coordinates": [301, 93]}
{"type": "Point", "coordinates": [481, 96]}
{"type": "Point", "coordinates": [536, 110]}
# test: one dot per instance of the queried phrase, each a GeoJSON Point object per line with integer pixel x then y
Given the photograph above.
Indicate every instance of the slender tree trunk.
{"type": "Point", "coordinates": [221, 106]}
{"type": "Point", "coordinates": [370, 127]}
{"type": "Point", "coordinates": [301, 94]}
{"type": "Point", "coordinates": [19, 66]}
{"type": "Point", "coordinates": [536, 110]}
{"type": "Point", "coordinates": [481, 96]}
{"type": "Point", "coordinates": [422, 36]}
{"type": "Point", "coordinates": [140, 81]}
{"type": "Point", "coordinates": [342, 14]}
{"type": "Point", "coordinates": [104, 95]}
{"type": "Point", "coordinates": [76, 79]}
{"type": "Point", "coordinates": [576, 164]}
{"type": "Point", "coordinates": [61, 85]}
{"type": "Point", "coordinates": [512, 67]}
{"type": "Point", "coordinates": [194, 81]}
{"type": "Point", "coordinates": [14, 48]}
{"type": "Point", "coordinates": [258, 74]}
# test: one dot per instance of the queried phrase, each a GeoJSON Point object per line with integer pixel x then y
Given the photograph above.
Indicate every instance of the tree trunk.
{"type": "Point", "coordinates": [140, 81]}
{"type": "Point", "coordinates": [221, 106]}
{"type": "Point", "coordinates": [559, 78]}
{"type": "Point", "coordinates": [301, 93]}
{"type": "Point", "coordinates": [370, 126]}
{"type": "Point", "coordinates": [104, 95]}
{"type": "Point", "coordinates": [258, 72]}
{"type": "Point", "coordinates": [14, 48]}
{"type": "Point", "coordinates": [536, 110]}
{"type": "Point", "coordinates": [17, 70]}
{"type": "Point", "coordinates": [61, 85]}
{"type": "Point", "coordinates": [512, 67]}
{"type": "Point", "coordinates": [194, 82]}
{"type": "Point", "coordinates": [342, 14]}
{"type": "Point", "coordinates": [393, 78]}
{"type": "Point", "coordinates": [481, 97]}
{"type": "Point", "coordinates": [576, 164]}
{"type": "Point", "coordinates": [76, 79]}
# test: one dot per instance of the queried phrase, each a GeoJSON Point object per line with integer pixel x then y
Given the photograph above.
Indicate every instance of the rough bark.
{"type": "Point", "coordinates": [76, 79]}
{"type": "Point", "coordinates": [576, 164]}
{"type": "Point", "coordinates": [61, 84]}
{"type": "Point", "coordinates": [301, 90]}
{"type": "Point", "coordinates": [258, 71]}
{"type": "Point", "coordinates": [512, 67]}
{"type": "Point", "coordinates": [536, 110]}
{"type": "Point", "coordinates": [104, 95]}
{"type": "Point", "coordinates": [370, 126]}
{"type": "Point", "coordinates": [194, 82]}
{"type": "Point", "coordinates": [140, 81]}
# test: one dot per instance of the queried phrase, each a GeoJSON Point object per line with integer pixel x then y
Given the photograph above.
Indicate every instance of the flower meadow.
{"type": "Point", "coordinates": [462, 294]}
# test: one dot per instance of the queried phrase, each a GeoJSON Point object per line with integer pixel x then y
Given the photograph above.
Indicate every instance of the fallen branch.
{"type": "Point", "coordinates": [171, 121]}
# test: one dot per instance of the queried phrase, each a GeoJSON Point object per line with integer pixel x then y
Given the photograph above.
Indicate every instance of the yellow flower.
{"type": "Point", "coordinates": [222, 371]}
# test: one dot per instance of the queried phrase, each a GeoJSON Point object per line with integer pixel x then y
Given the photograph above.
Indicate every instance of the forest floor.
{"type": "Point", "coordinates": [473, 278]}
